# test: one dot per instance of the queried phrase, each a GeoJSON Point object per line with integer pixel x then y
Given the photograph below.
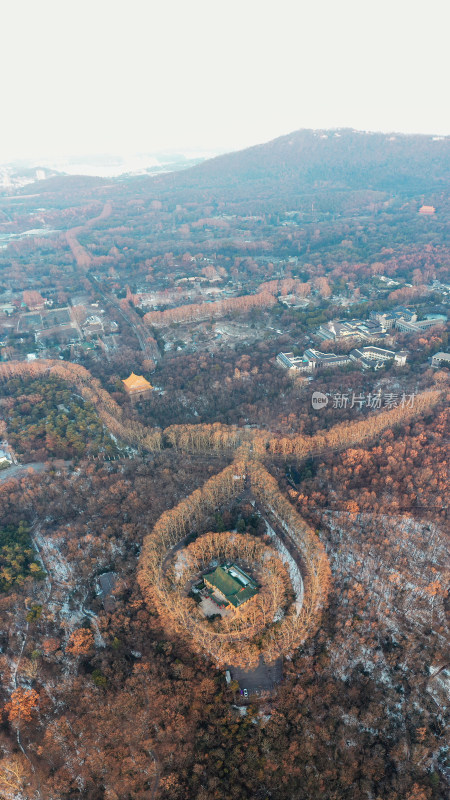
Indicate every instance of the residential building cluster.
{"type": "Point", "coordinates": [79, 324]}
{"type": "Point", "coordinates": [369, 357]}
{"type": "Point", "coordinates": [371, 333]}
{"type": "Point", "coordinates": [377, 326]}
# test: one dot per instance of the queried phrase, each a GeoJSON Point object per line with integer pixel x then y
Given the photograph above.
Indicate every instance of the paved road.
{"type": "Point", "coordinates": [150, 349]}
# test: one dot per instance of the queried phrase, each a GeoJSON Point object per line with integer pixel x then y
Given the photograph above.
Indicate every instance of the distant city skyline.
{"type": "Point", "coordinates": [135, 77]}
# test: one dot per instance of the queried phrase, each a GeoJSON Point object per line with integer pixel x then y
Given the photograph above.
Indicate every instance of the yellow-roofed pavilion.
{"type": "Point", "coordinates": [137, 386]}
{"type": "Point", "coordinates": [427, 210]}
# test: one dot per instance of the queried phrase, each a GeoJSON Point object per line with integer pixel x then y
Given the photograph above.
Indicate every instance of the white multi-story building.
{"type": "Point", "coordinates": [418, 326]}
{"type": "Point", "coordinates": [370, 354]}
{"type": "Point", "coordinates": [316, 359]}
{"type": "Point", "coordinates": [289, 361]}
{"type": "Point", "coordinates": [367, 330]}
{"type": "Point", "coordinates": [311, 359]}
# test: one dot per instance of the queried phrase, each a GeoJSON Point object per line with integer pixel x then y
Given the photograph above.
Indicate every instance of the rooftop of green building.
{"type": "Point", "coordinates": [233, 583]}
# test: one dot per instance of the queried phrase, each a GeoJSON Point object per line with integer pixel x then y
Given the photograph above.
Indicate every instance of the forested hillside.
{"type": "Point", "coordinates": [308, 160]}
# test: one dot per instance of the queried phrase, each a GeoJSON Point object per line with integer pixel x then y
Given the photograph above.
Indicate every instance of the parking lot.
{"type": "Point", "coordinates": [260, 680]}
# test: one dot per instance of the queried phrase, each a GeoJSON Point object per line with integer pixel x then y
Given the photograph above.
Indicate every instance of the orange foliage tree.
{"type": "Point", "coordinates": [81, 642]}
{"type": "Point", "coordinates": [22, 705]}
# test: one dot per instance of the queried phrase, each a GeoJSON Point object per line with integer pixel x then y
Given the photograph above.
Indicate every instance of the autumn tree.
{"type": "Point", "coordinates": [22, 705]}
{"type": "Point", "coordinates": [81, 642]}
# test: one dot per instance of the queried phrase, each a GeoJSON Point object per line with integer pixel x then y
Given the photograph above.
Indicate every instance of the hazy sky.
{"type": "Point", "coordinates": [96, 76]}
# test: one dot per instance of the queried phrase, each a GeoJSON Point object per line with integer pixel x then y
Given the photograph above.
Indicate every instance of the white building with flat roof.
{"type": "Point", "coordinates": [375, 357]}
{"type": "Point", "coordinates": [419, 325]}
{"type": "Point", "coordinates": [289, 361]}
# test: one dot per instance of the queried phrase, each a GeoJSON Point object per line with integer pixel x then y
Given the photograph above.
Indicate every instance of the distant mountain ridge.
{"type": "Point", "coordinates": [325, 159]}
{"type": "Point", "coordinates": [337, 170]}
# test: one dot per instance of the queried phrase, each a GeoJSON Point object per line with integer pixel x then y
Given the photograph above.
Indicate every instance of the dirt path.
{"type": "Point", "coordinates": [157, 773]}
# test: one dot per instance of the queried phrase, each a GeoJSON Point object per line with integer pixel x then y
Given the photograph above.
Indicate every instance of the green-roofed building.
{"type": "Point", "coordinates": [232, 585]}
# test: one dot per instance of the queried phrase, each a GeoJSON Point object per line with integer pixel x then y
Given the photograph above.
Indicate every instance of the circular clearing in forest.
{"type": "Point", "coordinates": [228, 591]}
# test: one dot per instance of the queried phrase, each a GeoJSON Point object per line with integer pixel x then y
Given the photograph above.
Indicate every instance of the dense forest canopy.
{"type": "Point", "coordinates": [17, 557]}
{"type": "Point", "coordinates": [45, 419]}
